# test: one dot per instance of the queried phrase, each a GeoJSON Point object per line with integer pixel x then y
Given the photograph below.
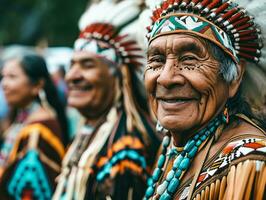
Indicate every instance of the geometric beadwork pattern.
{"type": "Point", "coordinates": [126, 153]}
{"type": "Point", "coordinates": [197, 25]}
{"type": "Point", "coordinates": [232, 151]}
{"type": "Point", "coordinates": [30, 175]}
{"type": "Point", "coordinates": [225, 15]}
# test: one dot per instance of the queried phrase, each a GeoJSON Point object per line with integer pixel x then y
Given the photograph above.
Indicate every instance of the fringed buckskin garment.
{"type": "Point", "coordinates": [234, 170]}
{"type": "Point", "coordinates": [108, 162]}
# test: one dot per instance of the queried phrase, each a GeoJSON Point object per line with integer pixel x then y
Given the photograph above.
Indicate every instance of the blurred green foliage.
{"type": "Point", "coordinates": [28, 22]}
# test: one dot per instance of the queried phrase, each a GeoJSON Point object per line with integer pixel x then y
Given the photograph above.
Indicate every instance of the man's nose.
{"type": "Point", "coordinates": [74, 73]}
{"type": "Point", "coordinates": [171, 74]}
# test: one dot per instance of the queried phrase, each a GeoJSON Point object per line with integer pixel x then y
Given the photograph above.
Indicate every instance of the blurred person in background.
{"type": "Point", "coordinates": [33, 146]}
{"type": "Point", "coordinates": [59, 79]}
{"type": "Point", "coordinates": [3, 108]}
{"type": "Point", "coordinates": [112, 154]}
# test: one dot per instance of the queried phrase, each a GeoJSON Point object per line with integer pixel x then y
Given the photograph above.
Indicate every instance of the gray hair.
{"type": "Point", "coordinates": [228, 68]}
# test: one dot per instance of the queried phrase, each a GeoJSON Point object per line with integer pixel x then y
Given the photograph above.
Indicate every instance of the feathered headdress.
{"type": "Point", "coordinates": [108, 30]}
{"type": "Point", "coordinates": [238, 29]}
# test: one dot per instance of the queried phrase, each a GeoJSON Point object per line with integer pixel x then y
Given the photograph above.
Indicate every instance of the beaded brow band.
{"type": "Point", "coordinates": [229, 17]}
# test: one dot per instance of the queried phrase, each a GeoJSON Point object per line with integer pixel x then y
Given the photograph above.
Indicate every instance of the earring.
{"type": "Point", "coordinates": [44, 102]}
{"type": "Point", "coordinates": [226, 115]}
{"type": "Point", "coordinates": [160, 128]}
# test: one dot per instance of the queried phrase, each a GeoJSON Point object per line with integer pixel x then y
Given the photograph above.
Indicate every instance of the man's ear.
{"type": "Point", "coordinates": [234, 85]}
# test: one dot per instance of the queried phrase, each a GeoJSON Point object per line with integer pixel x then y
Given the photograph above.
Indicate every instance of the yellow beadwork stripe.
{"type": "Point", "coordinates": [45, 133]}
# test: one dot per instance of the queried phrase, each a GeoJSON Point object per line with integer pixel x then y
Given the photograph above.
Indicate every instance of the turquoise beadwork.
{"type": "Point", "coordinates": [170, 175]}
{"type": "Point", "coordinates": [161, 188]}
{"type": "Point", "coordinates": [177, 161]}
{"type": "Point", "coordinates": [165, 196]}
{"type": "Point", "coordinates": [149, 191]}
{"type": "Point", "coordinates": [161, 161]}
{"type": "Point", "coordinates": [166, 141]}
{"type": "Point", "coordinates": [189, 145]}
{"type": "Point", "coordinates": [181, 163]}
{"type": "Point", "coordinates": [178, 173]}
{"type": "Point", "coordinates": [198, 143]}
{"type": "Point", "coordinates": [184, 163]}
{"type": "Point", "coordinates": [193, 152]}
{"type": "Point", "coordinates": [156, 174]}
{"type": "Point", "coordinates": [173, 185]}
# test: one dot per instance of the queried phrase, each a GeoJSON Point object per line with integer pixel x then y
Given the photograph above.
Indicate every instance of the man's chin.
{"type": "Point", "coordinates": [76, 104]}
{"type": "Point", "coordinates": [174, 125]}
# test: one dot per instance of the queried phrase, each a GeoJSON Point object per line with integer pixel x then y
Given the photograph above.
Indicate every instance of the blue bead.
{"type": "Point", "coordinates": [177, 161]}
{"type": "Point", "coordinates": [165, 196]}
{"type": "Point", "coordinates": [217, 123]}
{"type": "Point", "coordinates": [149, 192]}
{"type": "Point", "coordinates": [178, 173]}
{"type": "Point", "coordinates": [170, 175]}
{"type": "Point", "coordinates": [193, 152]}
{"type": "Point", "coordinates": [198, 143]}
{"type": "Point", "coordinates": [189, 145]}
{"type": "Point", "coordinates": [212, 129]}
{"type": "Point", "coordinates": [173, 152]}
{"type": "Point", "coordinates": [224, 119]}
{"type": "Point", "coordinates": [161, 188]}
{"type": "Point", "coordinates": [203, 138]}
{"type": "Point", "coordinates": [207, 133]}
{"type": "Point", "coordinates": [150, 182]}
{"type": "Point", "coordinates": [173, 185]}
{"type": "Point", "coordinates": [201, 131]}
{"type": "Point", "coordinates": [156, 174]}
{"type": "Point", "coordinates": [166, 141]}
{"type": "Point", "coordinates": [211, 124]}
{"type": "Point", "coordinates": [184, 164]}
{"type": "Point", "coordinates": [161, 161]}
{"type": "Point", "coordinates": [196, 136]}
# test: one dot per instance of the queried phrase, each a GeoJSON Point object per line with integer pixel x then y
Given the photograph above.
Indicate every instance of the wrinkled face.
{"type": "Point", "coordinates": [183, 82]}
{"type": "Point", "coordinates": [91, 85]}
{"type": "Point", "coordinates": [18, 89]}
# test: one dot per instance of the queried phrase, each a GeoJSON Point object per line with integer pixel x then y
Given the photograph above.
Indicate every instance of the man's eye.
{"type": "Point", "coordinates": [188, 58]}
{"type": "Point", "coordinates": [156, 59]}
{"type": "Point", "coordinates": [87, 64]}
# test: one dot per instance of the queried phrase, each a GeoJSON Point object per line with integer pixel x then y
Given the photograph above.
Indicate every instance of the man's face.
{"type": "Point", "coordinates": [183, 82]}
{"type": "Point", "coordinates": [91, 85]}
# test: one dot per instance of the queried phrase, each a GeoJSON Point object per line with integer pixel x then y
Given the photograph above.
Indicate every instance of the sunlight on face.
{"type": "Point", "coordinates": [91, 85]}
{"type": "Point", "coordinates": [183, 83]}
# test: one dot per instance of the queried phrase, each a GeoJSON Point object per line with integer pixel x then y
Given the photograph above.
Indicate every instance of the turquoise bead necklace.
{"type": "Point", "coordinates": [169, 186]}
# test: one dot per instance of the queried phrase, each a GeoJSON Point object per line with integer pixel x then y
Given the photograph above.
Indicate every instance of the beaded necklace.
{"type": "Point", "coordinates": [169, 186]}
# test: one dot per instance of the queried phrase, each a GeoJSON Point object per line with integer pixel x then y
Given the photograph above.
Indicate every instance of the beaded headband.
{"type": "Point", "coordinates": [107, 36]}
{"type": "Point", "coordinates": [220, 21]}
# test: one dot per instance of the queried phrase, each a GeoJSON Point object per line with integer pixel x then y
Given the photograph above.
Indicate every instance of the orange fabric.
{"type": "Point", "coordinates": [126, 141]}
{"type": "Point", "coordinates": [44, 132]}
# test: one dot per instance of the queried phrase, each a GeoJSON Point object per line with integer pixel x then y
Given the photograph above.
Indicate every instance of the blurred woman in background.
{"type": "Point", "coordinates": [33, 146]}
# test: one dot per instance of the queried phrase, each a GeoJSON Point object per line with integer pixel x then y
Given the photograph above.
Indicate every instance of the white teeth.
{"type": "Point", "coordinates": [174, 100]}
{"type": "Point", "coordinates": [78, 89]}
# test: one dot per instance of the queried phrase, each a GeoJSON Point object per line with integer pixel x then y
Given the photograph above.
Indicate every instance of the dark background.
{"type": "Point", "coordinates": [31, 22]}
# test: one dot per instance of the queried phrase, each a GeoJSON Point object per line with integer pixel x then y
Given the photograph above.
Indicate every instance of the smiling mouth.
{"type": "Point", "coordinates": [81, 89]}
{"type": "Point", "coordinates": [176, 100]}
{"type": "Point", "coordinates": [174, 103]}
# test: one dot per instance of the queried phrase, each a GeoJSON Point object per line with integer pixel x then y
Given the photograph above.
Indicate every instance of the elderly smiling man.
{"type": "Point", "coordinates": [214, 147]}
